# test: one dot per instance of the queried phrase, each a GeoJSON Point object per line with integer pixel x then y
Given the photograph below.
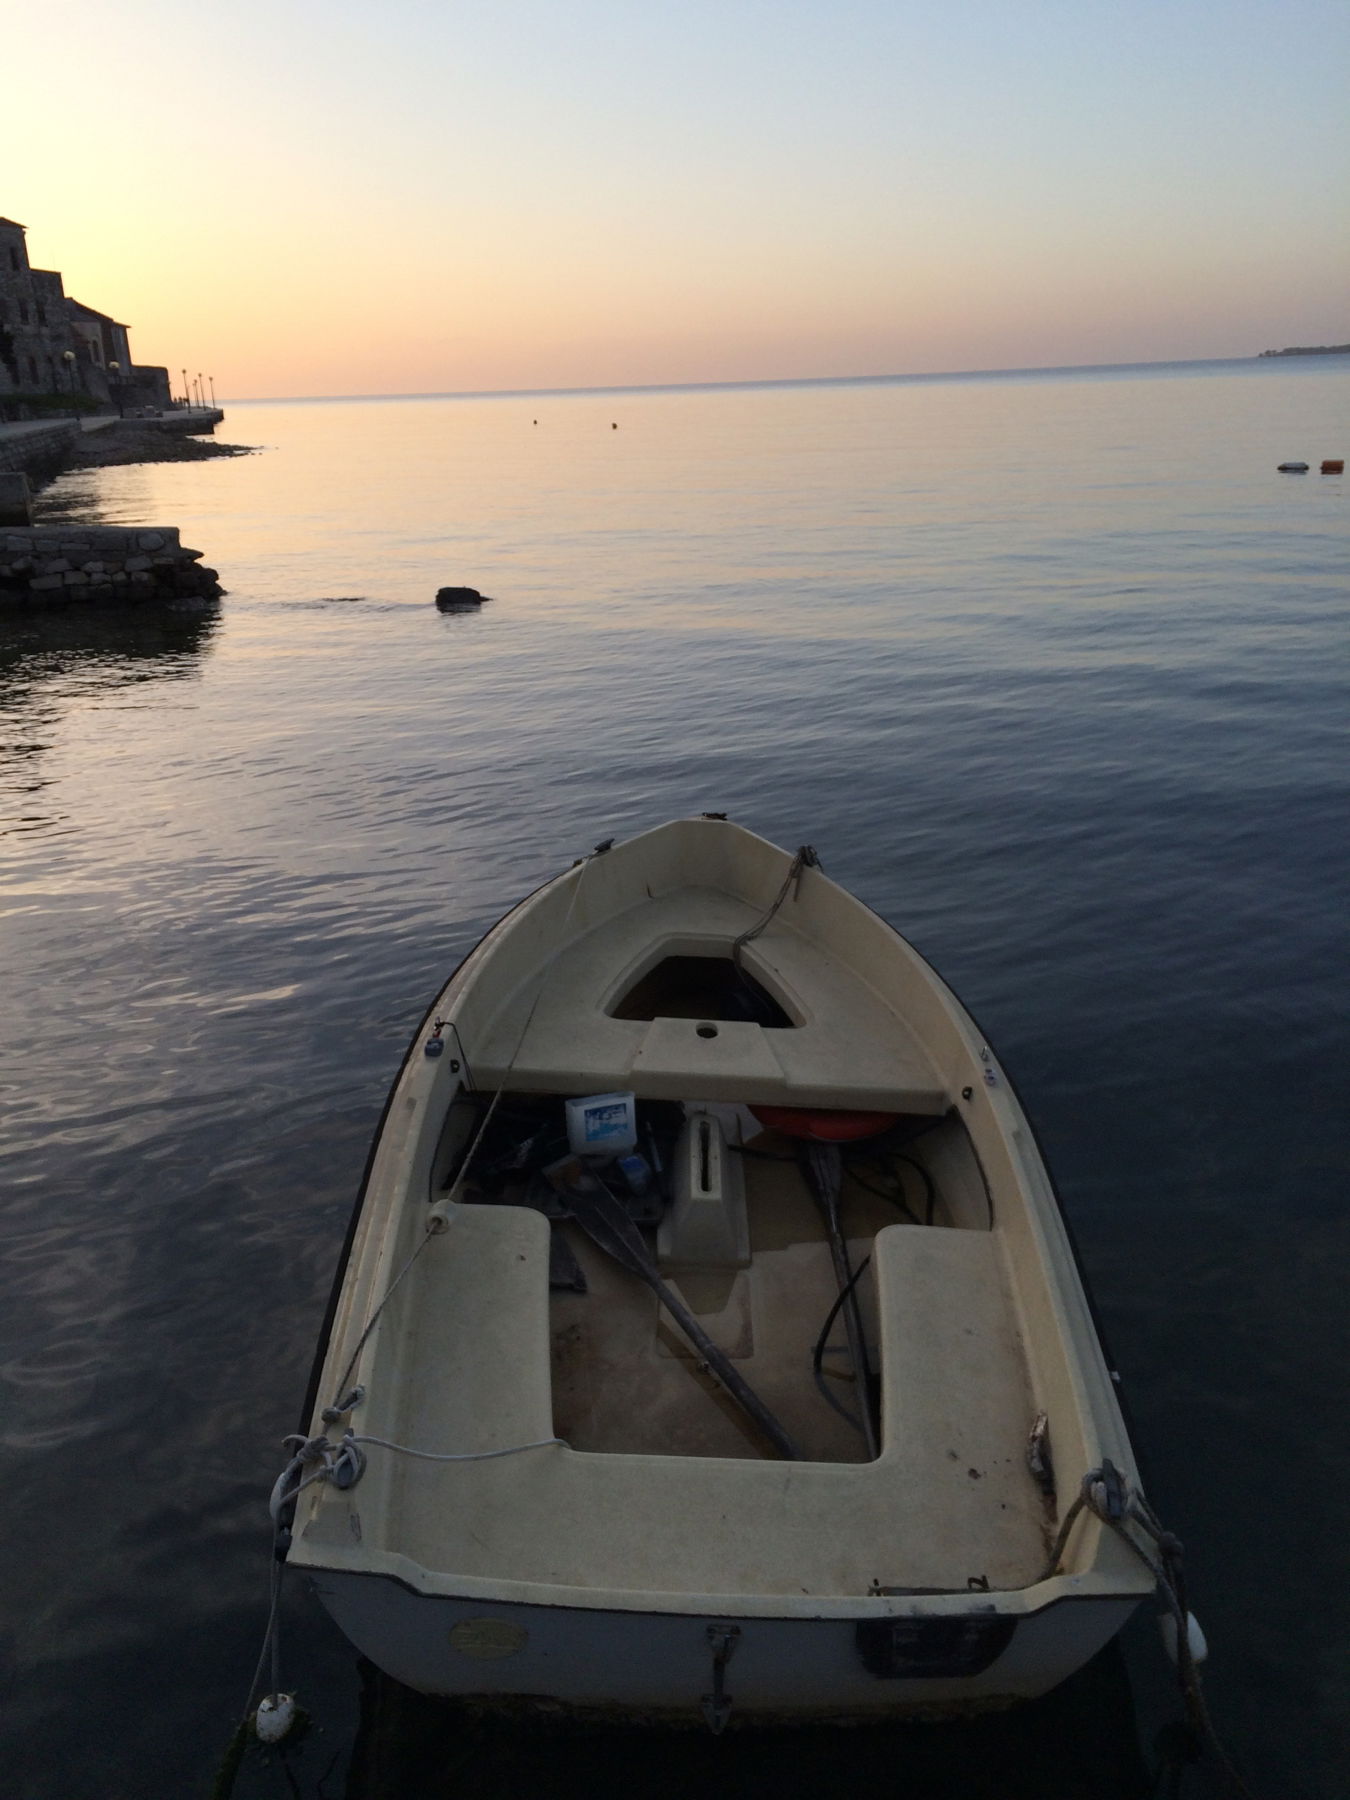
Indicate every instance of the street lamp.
{"type": "Point", "coordinates": [115, 370]}
{"type": "Point", "coordinates": [187, 397]}
{"type": "Point", "coordinates": [212, 380]}
{"type": "Point", "coordinates": [68, 358]}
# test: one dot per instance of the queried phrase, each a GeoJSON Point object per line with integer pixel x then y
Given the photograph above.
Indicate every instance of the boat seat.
{"type": "Point", "coordinates": [954, 1384]}
{"type": "Point", "coordinates": [483, 1329]}
{"type": "Point", "coordinates": [949, 1497]}
{"type": "Point", "coordinates": [847, 1050]}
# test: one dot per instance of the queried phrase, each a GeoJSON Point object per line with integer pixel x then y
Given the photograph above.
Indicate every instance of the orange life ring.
{"type": "Point", "coordinates": [823, 1124]}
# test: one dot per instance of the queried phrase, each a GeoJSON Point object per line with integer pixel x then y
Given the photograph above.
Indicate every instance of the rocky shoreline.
{"type": "Point", "coordinates": [64, 563]}
{"type": "Point", "coordinates": [131, 441]}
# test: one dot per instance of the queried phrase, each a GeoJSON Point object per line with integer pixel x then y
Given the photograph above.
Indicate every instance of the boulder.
{"type": "Point", "coordinates": [448, 598]}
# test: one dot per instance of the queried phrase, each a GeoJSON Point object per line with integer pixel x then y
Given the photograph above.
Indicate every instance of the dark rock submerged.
{"type": "Point", "coordinates": [447, 598]}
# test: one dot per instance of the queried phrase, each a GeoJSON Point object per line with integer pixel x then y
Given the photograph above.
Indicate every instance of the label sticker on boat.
{"type": "Point", "coordinates": [488, 1640]}
{"type": "Point", "coordinates": [602, 1124]}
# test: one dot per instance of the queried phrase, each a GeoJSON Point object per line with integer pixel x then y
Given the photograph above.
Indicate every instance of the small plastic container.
{"type": "Point", "coordinates": [636, 1173]}
{"type": "Point", "coordinates": [602, 1125]}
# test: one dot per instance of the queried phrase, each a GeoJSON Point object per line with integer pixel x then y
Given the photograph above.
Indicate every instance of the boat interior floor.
{"type": "Point", "coordinates": [626, 1379]}
{"type": "Point", "coordinates": [663, 1485]}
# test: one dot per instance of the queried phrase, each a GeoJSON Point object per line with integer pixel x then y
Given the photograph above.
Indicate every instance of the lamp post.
{"type": "Point", "coordinates": [212, 380]}
{"type": "Point", "coordinates": [115, 370]}
{"type": "Point", "coordinates": [187, 397]}
{"type": "Point", "coordinates": [201, 391]}
{"type": "Point", "coordinates": [68, 358]}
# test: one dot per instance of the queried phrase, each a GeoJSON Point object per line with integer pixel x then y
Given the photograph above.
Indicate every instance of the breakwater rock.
{"type": "Point", "coordinates": [450, 599]}
{"type": "Point", "coordinates": [56, 565]}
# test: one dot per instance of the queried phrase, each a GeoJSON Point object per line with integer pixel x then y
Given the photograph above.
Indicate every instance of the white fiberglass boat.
{"type": "Point", "coordinates": [765, 1385]}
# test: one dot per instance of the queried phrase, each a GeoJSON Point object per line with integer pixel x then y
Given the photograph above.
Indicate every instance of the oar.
{"type": "Point", "coordinates": [824, 1168]}
{"type": "Point", "coordinates": [606, 1223]}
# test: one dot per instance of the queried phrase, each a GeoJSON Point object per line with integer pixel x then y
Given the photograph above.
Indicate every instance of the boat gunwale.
{"type": "Point", "coordinates": [324, 1344]}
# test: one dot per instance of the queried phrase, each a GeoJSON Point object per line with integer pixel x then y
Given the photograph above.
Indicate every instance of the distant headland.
{"type": "Point", "coordinates": [1311, 350]}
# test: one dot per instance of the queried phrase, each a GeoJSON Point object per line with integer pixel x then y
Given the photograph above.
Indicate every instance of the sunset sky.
{"type": "Point", "coordinates": [423, 196]}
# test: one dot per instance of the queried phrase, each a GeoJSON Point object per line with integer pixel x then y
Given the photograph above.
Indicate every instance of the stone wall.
{"type": "Point", "coordinates": [54, 565]}
{"type": "Point", "coordinates": [40, 449]}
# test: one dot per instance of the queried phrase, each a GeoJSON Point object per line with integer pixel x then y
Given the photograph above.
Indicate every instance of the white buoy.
{"type": "Point", "coordinates": [274, 1717]}
{"type": "Point", "coordinates": [1195, 1637]}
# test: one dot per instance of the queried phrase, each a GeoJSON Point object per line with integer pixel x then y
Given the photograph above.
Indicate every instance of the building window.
{"type": "Point", "coordinates": [13, 259]}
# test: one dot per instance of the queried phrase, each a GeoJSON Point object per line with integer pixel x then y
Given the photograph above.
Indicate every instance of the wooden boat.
{"type": "Point", "coordinates": [518, 1490]}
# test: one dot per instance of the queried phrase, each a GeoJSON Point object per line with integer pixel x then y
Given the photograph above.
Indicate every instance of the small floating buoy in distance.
{"type": "Point", "coordinates": [274, 1717]}
{"type": "Point", "coordinates": [1334, 465]}
{"type": "Point", "coordinates": [1195, 1637]}
{"type": "Point", "coordinates": [1293, 469]}
{"type": "Point", "coordinates": [614, 428]}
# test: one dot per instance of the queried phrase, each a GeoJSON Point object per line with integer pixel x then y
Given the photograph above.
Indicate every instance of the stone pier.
{"type": "Point", "coordinates": [56, 565]}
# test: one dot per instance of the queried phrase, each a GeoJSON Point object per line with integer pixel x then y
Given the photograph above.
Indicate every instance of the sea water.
{"type": "Point", "coordinates": [1051, 669]}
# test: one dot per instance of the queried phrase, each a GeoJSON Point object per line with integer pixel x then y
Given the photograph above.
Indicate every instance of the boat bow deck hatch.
{"type": "Point", "coordinates": [558, 1033]}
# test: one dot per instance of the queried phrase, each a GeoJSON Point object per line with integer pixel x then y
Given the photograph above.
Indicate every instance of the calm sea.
{"type": "Point", "coordinates": [1052, 670]}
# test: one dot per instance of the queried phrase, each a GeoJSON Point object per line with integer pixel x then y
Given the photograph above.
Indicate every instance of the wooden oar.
{"type": "Point", "coordinates": [606, 1222]}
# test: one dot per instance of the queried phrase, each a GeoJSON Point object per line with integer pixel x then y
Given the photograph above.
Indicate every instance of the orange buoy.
{"type": "Point", "coordinates": [1334, 465]}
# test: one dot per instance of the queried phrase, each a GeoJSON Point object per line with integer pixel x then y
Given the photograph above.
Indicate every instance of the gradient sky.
{"type": "Point", "coordinates": [343, 198]}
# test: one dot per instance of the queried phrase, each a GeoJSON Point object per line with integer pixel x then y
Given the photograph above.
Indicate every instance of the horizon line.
{"type": "Point", "coordinates": [780, 381]}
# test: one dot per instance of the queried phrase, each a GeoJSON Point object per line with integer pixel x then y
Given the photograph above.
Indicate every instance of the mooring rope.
{"type": "Point", "coordinates": [1105, 1493]}
{"type": "Point", "coordinates": [316, 1459]}
{"type": "Point", "coordinates": [438, 1223]}
{"type": "Point", "coordinates": [805, 858]}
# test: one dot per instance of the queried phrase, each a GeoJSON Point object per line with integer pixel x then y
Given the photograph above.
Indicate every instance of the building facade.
{"type": "Point", "coordinates": [53, 347]}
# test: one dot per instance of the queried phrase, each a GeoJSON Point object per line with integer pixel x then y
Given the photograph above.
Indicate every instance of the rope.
{"type": "Point", "coordinates": [434, 1227]}
{"type": "Point", "coordinates": [437, 1224]}
{"type": "Point", "coordinates": [818, 1354]}
{"type": "Point", "coordinates": [315, 1458]}
{"type": "Point", "coordinates": [342, 1462]}
{"type": "Point", "coordinates": [1106, 1495]}
{"type": "Point", "coordinates": [457, 1456]}
{"type": "Point", "coordinates": [805, 858]}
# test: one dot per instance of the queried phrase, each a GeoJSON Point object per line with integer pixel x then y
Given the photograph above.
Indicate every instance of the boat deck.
{"type": "Point", "coordinates": [662, 1486]}
{"type": "Point", "coordinates": [846, 1047]}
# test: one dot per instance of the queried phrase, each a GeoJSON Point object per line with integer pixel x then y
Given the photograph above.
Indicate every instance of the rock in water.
{"type": "Point", "coordinates": [450, 597]}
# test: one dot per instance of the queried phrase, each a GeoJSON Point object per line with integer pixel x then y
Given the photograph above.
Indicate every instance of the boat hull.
{"type": "Point", "coordinates": [643, 1665]}
{"type": "Point", "coordinates": [637, 1576]}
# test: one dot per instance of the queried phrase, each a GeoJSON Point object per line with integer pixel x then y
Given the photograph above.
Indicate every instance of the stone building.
{"type": "Point", "coordinates": [52, 345]}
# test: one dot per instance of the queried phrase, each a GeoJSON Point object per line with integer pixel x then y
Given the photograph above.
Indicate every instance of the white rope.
{"type": "Point", "coordinates": [325, 1460]}
{"type": "Point", "coordinates": [459, 1455]}
{"type": "Point", "coordinates": [434, 1227]}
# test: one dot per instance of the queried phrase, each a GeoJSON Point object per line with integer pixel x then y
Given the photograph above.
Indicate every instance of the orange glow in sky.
{"type": "Point", "coordinates": [418, 198]}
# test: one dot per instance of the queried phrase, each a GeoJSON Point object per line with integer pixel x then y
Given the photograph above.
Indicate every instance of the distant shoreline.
{"type": "Point", "coordinates": [781, 381]}
{"type": "Point", "coordinates": [1311, 350]}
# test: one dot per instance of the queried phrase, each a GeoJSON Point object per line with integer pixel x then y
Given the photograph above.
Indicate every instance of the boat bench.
{"type": "Point", "coordinates": [949, 1499]}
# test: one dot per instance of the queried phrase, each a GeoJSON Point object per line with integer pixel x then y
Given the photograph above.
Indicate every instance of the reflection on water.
{"type": "Point", "coordinates": [53, 660]}
{"type": "Point", "coordinates": [1076, 1744]}
{"type": "Point", "coordinates": [1051, 672]}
